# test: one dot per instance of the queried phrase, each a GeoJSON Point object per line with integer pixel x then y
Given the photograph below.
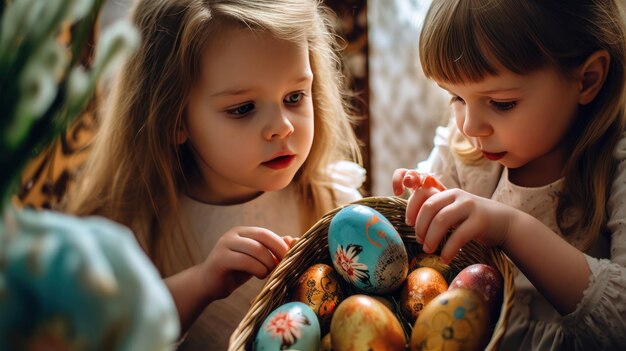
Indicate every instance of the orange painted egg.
{"type": "Point", "coordinates": [456, 320]}
{"type": "Point", "coordinates": [363, 323]}
{"type": "Point", "coordinates": [319, 288]}
{"type": "Point", "coordinates": [421, 286]}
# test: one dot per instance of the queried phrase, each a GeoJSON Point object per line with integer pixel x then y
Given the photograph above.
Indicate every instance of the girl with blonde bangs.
{"type": "Point", "coordinates": [533, 159]}
{"type": "Point", "coordinates": [228, 129]}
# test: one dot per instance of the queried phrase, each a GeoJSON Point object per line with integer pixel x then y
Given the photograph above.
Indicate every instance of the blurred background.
{"type": "Point", "coordinates": [399, 108]}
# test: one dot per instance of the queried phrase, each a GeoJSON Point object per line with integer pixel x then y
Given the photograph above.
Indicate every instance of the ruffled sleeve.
{"type": "Point", "coordinates": [599, 322]}
{"type": "Point", "coordinates": [600, 318]}
{"type": "Point", "coordinates": [346, 177]}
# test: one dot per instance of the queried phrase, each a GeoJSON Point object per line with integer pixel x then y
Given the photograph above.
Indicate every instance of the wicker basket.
{"type": "Point", "coordinates": [313, 248]}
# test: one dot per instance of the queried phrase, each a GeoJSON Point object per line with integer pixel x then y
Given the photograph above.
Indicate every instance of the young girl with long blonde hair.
{"type": "Point", "coordinates": [227, 130]}
{"type": "Point", "coordinates": [534, 159]}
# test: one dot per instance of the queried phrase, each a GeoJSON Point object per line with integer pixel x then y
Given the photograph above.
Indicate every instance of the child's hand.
{"type": "Point", "coordinates": [471, 217]}
{"type": "Point", "coordinates": [290, 241]}
{"type": "Point", "coordinates": [422, 185]}
{"type": "Point", "coordinates": [435, 211]}
{"type": "Point", "coordinates": [412, 179]}
{"type": "Point", "coordinates": [242, 252]}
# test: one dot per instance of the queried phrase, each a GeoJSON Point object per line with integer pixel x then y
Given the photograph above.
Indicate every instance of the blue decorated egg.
{"type": "Point", "coordinates": [366, 250]}
{"type": "Point", "coordinates": [292, 326]}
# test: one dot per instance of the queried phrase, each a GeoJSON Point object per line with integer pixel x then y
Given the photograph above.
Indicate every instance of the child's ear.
{"type": "Point", "coordinates": [592, 75]}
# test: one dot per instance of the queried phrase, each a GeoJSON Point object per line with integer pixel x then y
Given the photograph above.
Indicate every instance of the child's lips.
{"type": "Point", "coordinates": [493, 156]}
{"type": "Point", "coordinates": [279, 162]}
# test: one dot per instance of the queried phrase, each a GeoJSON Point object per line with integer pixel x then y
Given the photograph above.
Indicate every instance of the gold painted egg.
{"type": "Point", "coordinates": [385, 301]}
{"type": "Point", "coordinates": [325, 344]}
{"type": "Point", "coordinates": [363, 323]}
{"type": "Point", "coordinates": [429, 260]}
{"type": "Point", "coordinates": [421, 286]}
{"type": "Point", "coordinates": [456, 320]}
{"type": "Point", "coordinates": [319, 288]}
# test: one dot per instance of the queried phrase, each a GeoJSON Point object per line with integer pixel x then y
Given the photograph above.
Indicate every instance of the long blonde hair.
{"type": "Point", "coordinates": [137, 169]}
{"type": "Point", "coordinates": [466, 40]}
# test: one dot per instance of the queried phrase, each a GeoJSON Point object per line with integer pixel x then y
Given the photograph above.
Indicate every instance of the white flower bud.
{"type": "Point", "coordinates": [115, 45]}
{"type": "Point", "coordinates": [18, 19]}
{"type": "Point", "coordinates": [37, 90]}
{"type": "Point", "coordinates": [81, 8]}
{"type": "Point", "coordinates": [79, 87]}
{"type": "Point", "coordinates": [53, 57]}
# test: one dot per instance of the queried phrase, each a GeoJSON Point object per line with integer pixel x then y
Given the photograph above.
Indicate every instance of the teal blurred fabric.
{"type": "Point", "coordinates": [69, 283]}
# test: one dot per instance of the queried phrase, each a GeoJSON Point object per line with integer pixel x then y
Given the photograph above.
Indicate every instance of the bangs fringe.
{"type": "Point", "coordinates": [466, 41]}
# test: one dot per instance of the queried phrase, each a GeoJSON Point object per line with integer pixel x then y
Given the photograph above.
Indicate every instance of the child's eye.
{"type": "Point", "coordinates": [241, 110]}
{"type": "Point", "coordinates": [503, 106]}
{"type": "Point", "coordinates": [294, 98]}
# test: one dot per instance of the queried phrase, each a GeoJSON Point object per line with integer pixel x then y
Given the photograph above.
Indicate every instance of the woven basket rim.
{"type": "Point", "coordinates": [313, 245]}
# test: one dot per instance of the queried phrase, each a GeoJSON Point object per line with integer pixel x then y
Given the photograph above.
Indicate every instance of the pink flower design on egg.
{"type": "Point", "coordinates": [287, 326]}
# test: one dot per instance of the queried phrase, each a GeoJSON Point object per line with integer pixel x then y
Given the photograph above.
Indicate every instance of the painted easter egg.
{"type": "Point", "coordinates": [319, 288]}
{"type": "Point", "coordinates": [291, 326]}
{"type": "Point", "coordinates": [325, 344]}
{"type": "Point", "coordinates": [361, 322]}
{"type": "Point", "coordinates": [486, 281]}
{"type": "Point", "coordinates": [366, 250]}
{"type": "Point", "coordinates": [455, 320]}
{"type": "Point", "coordinates": [421, 286]}
{"type": "Point", "coordinates": [428, 260]}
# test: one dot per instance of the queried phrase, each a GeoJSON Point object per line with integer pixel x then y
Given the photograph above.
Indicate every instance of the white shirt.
{"type": "Point", "coordinates": [599, 321]}
{"type": "Point", "coordinates": [276, 211]}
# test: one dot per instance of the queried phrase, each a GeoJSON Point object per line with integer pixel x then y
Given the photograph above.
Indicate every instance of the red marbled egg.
{"type": "Point", "coordinates": [486, 281]}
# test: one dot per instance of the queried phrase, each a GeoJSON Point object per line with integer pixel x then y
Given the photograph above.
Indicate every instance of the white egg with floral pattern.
{"type": "Point", "coordinates": [291, 326]}
{"type": "Point", "coordinates": [366, 250]}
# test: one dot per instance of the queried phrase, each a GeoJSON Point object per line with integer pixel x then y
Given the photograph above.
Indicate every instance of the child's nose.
{"type": "Point", "coordinates": [278, 126]}
{"type": "Point", "coordinates": [474, 124]}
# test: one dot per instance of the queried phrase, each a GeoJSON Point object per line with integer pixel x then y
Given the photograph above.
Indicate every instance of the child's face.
{"type": "Point", "coordinates": [250, 118]}
{"type": "Point", "coordinates": [519, 121]}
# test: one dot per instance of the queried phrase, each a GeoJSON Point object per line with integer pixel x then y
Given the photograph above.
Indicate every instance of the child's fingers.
{"type": "Point", "coordinates": [290, 241]}
{"type": "Point", "coordinates": [261, 244]}
{"type": "Point", "coordinates": [270, 240]}
{"type": "Point", "coordinates": [415, 202]}
{"type": "Point", "coordinates": [463, 234]}
{"type": "Point", "coordinates": [435, 221]}
{"type": "Point", "coordinates": [432, 221]}
{"type": "Point", "coordinates": [412, 179]}
{"type": "Point", "coordinates": [396, 181]}
{"type": "Point", "coordinates": [256, 250]}
{"type": "Point", "coordinates": [430, 181]}
{"type": "Point", "coordinates": [243, 262]}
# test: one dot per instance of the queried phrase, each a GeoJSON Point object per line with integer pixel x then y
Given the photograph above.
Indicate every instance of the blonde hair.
{"type": "Point", "coordinates": [137, 169]}
{"type": "Point", "coordinates": [466, 40]}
